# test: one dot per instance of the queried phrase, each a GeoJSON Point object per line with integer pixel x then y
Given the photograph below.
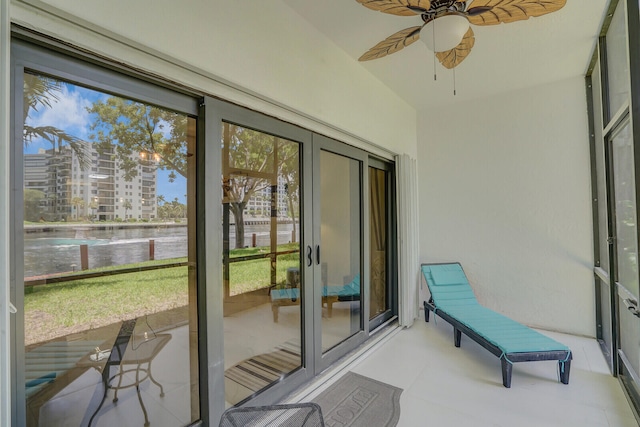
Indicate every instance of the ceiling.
{"type": "Point", "coordinates": [505, 57]}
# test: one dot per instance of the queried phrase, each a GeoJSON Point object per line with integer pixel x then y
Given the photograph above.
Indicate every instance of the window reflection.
{"type": "Point", "coordinates": [109, 259]}
{"type": "Point", "coordinates": [625, 209]}
{"type": "Point", "coordinates": [378, 301]}
{"type": "Point", "coordinates": [261, 277]}
{"type": "Point", "coordinates": [340, 234]}
{"type": "Point", "coordinates": [617, 60]}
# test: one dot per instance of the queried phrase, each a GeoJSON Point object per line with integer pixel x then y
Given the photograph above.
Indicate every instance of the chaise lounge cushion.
{"type": "Point", "coordinates": [452, 294]}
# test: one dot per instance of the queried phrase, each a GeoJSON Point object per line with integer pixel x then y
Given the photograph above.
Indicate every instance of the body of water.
{"type": "Point", "coordinates": [57, 250]}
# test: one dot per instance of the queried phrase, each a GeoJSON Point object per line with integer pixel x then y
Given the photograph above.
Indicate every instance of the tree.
{"type": "Point", "coordinates": [126, 205]}
{"type": "Point", "coordinates": [32, 202]}
{"type": "Point", "coordinates": [290, 172]}
{"type": "Point", "coordinates": [41, 92]}
{"type": "Point", "coordinates": [77, 203]}
{"type": "Point", "coordinates": [249, 156]}
{"type": "Point", "coordinates": [251, 167]}
{"type": "Point", "coordinates": [172, 210]}
{"type": "Point", "coordinates": [140, 134]}
{"type": "Point", "coordinates": [93, 205]}
{"type": "Point", "coordinates": [178, 209]}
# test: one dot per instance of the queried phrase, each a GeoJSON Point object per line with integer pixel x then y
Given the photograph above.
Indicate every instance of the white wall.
{"type": "Point", "coordinates": [261, 47]}
{"type": "Point", "coordinates": [504, 188]}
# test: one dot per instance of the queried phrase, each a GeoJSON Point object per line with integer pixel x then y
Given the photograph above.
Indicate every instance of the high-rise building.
{"type": "Point", "coordinates": [260, 202]}
{"type": "Point", "coordinates": [102, 190]}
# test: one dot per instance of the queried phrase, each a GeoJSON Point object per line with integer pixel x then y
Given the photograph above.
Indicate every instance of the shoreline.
{"type": "Point", "coordinates": [45, 227]}
{"type": "Point", "coordinates": [40, 228]}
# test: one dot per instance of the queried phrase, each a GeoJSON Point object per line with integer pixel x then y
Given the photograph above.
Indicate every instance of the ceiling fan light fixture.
{"type": "Point", "coordinates": [445, 32]}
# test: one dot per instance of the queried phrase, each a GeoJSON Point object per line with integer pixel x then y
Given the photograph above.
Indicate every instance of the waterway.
{"type": "Point", "coordinates": [56, 249]}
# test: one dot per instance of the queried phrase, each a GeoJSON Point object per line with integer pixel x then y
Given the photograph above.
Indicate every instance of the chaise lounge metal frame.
{"type": "Point", "coordinates": [552, 350]}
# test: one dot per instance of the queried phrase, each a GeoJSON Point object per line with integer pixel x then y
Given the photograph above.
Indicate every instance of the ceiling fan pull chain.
{"type": "Point", "coordinates": [454, 81]}
{"type": "Point", "coordinates": [435, 76]}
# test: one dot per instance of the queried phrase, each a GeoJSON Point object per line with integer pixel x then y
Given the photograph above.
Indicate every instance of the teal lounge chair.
{"type": "Point", "coordinates": [290, 295]}
{"type": "Point", "coordinates": [453, 300]}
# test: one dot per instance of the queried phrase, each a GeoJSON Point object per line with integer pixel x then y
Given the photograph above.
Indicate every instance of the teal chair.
{"type": "Point", "coordinates": [453, 300]}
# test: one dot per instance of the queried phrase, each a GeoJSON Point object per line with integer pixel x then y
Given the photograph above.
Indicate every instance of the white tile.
{"type": "Point", "coordinates": [621, 419]}
{"type": "Point", "coordinates": [442, 385]}
{"type": "Point", "coordinates": [416, 412]}
{"type": "Point", "coordinates": [448, 386]}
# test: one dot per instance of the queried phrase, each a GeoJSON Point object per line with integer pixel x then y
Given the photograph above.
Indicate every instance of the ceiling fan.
{"type": "Point", "coordinates": [445, 27]}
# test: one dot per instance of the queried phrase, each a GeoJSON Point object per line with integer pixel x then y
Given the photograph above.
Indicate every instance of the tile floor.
{"type": "Point", "coordinates": [448, 386]}
{"type": "Point", "coordinates": [74, 405]}
{"type": "Point", "coordinates": [442, 385]}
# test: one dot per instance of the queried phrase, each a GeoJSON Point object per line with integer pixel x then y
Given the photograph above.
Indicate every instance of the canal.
{"type": "Point", "coordinates": [56, 249]}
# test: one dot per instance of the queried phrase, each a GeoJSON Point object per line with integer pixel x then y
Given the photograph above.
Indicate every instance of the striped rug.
{"type": "Point", "coordinates": [254, 374]}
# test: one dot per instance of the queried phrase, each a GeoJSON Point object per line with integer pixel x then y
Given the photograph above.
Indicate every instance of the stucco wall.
{"type": "Point", "coordinates": [505, 189]}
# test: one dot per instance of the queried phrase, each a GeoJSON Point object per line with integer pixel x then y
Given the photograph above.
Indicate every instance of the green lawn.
{"type": "Point", "coordinates": [250, 275]}
{"type": "Point", "coordinates": [59, 309]}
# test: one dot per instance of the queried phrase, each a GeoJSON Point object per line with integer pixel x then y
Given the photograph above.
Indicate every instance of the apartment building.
{"type": "Point", "coordinates": [99, 191]}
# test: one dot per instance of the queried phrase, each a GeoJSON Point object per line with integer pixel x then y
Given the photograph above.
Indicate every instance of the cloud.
{"type": "Point", "coordinates": [67, 113]}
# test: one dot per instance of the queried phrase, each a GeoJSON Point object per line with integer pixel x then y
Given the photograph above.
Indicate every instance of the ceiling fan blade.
{"type": "Point", "coordinates": [398, 7]}
{"type": "Point", "coordinates": [505, 11]}
{"type": "Point", "coordinates": [392, 44]}
{"type": "Point", "coordinates": [452, 58]}
{"type": "Point", "coordinates": [477, 10]}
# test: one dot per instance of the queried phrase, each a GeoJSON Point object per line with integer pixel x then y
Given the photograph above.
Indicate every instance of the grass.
{"type": "Point", "coordinates": [64, 308]}
{"type": "Point", "coordinates": [255, 274]}
{"type": "Point", "coordinates": [59, 309]}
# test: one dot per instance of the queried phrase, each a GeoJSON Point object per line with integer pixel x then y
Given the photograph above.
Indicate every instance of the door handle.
{"type": "Point", "coordinates": [12, 308]}
{"type": "Point", "coordinates": [309, 256]}
{"type": "Point", "coordinates": [318, 254]}
{"type": "Point", "coordinates": [632, 306]}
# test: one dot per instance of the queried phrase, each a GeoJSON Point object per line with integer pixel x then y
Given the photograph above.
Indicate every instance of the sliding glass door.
{"type": "Point", "coordinates": [295, 239]}
{"type": "Point", "coordinates": [626, 249]}
{"type": "Point", "coordinates": [260, 297]}
{"type": "Point", "coordinates": [614, 95]}
{"type": "Point", "coordinates": [338, 249]}
{"type": "Point", "coordinates": [261, 260]}
{"type": "Point", "coordinates": [105, 248]}
{"type": "Point", "coordinates": [175, 255]}
{"type": "Point", "coordinates": [382, 269]}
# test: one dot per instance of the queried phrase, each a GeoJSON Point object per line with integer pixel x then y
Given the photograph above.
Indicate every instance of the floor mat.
{"type": "Point", "coordinates": [255, 373]}
{"type": "Point", "coordinates": [355, 401]}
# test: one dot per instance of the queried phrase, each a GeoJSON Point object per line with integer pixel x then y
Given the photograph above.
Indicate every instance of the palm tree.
{"type": "Point", "coordinates": [77, 203]}
{"type": "Point", "coordinates": [40, 92]}
{"type": "Point", "coordinates": [93, 204]}
{"type": "Point", "coordinates": [126, 205]}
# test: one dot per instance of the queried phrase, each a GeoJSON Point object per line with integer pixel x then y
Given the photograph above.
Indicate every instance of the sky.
{"type": "Point", "coordinates": [69, 113]}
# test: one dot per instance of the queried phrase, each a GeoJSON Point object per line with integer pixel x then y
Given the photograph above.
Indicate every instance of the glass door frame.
{"type": "Point", "coordinates": [62, 62]}
{"type": "Point", "coordinates": [322, 359]}
{"type": "Point", "coordinates": [392, 244]}
{"type": "Point", "coordinates": [217, 112]}
{"type": "Point", "coordinates": [602, 130]}
{"type": "Point", "coordinates": [629, 374]}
